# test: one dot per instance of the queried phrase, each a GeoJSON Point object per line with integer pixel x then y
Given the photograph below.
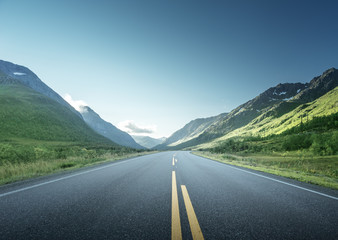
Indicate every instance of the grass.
{"type": "Point", "coordinates": [319, 170]}
{"type": "Point", "coordinates": [12, 172]}
{"type": "Point", "coordinates": [266, 125]}
{"type": "Point", "coordinates": [281, 119]}
{"type": "Point", "coordinates": [39, 136]}
{"type": "Point", "coordinates": [27, 114]}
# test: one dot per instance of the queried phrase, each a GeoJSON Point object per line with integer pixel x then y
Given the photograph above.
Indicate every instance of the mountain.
{"type": "Point", "coordinates": [107, 129]}
{"type": "Point", "coordinates": [319, 86]}
{"type": "Point", "coordinates": [148, 142]}
{"type": "Point", "coordinates": [190, 131]}
{"type": "Point", "coordinates": [26, 115]}
{"type": "Point", "coordinates": [13, 73]}
{"type": "Point", "coordinates": [272, 103]}
{"type": "Point", "coordinates": [268, 124]}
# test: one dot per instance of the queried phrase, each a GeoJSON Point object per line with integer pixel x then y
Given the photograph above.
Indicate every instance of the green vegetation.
{"type": "Point", "coordinates": [307, 152]}
{"type": "Point", "coordinates": [318, 136]}
{"type": "Point", "coordinates": [273, 122]}
{"type": "Point", "coordinates": [39, 136]}
{"type": "Point", "coordinates": [320, 170]}
{"type": "Point", "coordinates": [27, 114]}
{"type": "Point", "coordinates": [30, 151]}
{"type": "Point", "coordinates": [71, 157]}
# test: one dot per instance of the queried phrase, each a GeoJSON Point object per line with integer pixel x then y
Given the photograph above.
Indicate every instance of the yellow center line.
{"type": "Point", "coordinates": [173, 161]}
{"type": "Point", "coordinates": [194, 225]}
{"type": "Point", "coordinates": [175, 214]}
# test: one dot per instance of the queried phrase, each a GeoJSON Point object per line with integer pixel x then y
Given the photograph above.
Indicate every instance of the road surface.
{"type": "Point", "coordinates": [168, 195]}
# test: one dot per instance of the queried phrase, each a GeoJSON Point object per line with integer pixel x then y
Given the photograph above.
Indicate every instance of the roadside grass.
{"type": "Point", "coordinates": [319, 170]}
{"type": "Point", "coordinates": [12, 172]}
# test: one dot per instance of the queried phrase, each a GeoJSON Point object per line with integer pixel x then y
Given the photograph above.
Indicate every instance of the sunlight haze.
{"type": "Point", "coordinates": [160, 64]}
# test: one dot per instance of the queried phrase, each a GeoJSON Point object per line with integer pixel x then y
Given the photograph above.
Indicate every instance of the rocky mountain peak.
{"type": "Point", "coordinates": [285, 90]}
{"type": "Point", "coordinates": [319, 85]}
{"type": "Point", "coordinates": [274, 95]}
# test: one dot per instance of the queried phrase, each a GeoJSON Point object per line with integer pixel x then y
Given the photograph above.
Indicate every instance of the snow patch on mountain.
{"type": "Point", "coordinates": [281, 93]}
{"type": "Point", "coordinates": [19, 73]}
{"type": "Point", "coordinates": [287, 99]}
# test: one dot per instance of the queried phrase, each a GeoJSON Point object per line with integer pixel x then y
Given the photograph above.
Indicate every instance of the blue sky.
{"type": "Point", "coordinates": [159, 64]}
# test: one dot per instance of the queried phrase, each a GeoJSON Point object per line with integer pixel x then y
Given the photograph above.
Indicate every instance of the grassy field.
{"type": "Point", "coordinates": [11, 172]}
{"type": "Point", "coordinates": [320, 170]}
{"type": "Point", "coordinates": [307, 152]}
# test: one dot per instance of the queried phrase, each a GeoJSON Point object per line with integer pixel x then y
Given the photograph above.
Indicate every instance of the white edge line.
{"type": "Point", "coordinates": [290, 184]}
{"type": "Point", "coordinates": [60, 179]}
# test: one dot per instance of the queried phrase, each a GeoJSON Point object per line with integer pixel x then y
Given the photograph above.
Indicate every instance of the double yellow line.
{"type": "Point", "coordinates": [176, 232]}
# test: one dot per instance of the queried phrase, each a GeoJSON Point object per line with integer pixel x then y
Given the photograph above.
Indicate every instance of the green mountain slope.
{"type": "Point", "coordinates": [244, 113]}
{"type": "Point", "coordinates": [189, 132]}
{"type": "Point", "coordinates": [27, 114]}
{"type": "Point", "coordinates": [40, 134]}
{"type": "Point", "coordinates": [11, 72]}
{"type": "Point", "coordinates": [271, 104]}
{"type": "Point", "coordinates": [300, 144]}
{"type": "Point", "coordinates": [268, 124]}
{"type": "Point", "coordinates": [323, 106]}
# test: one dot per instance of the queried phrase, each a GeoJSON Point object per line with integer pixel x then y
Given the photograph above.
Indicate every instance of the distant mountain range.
{"type": "Point", "coordinates": [190, 131]}
{"type": "Point", "coordinates": [259, 112]}
{"type": "Point", "coordinates": [32, 110]}
{"type": "Point", "coordinates": [107, 129]}
{"type": "Point", "coordinates": [148, 142]}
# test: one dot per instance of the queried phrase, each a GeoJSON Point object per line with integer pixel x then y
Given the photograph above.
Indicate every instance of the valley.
{"type": "Point", "coordinates": [292, 124]}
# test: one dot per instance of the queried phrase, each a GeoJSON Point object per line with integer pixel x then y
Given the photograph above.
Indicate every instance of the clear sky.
{"type": "Point", "coordinates": [159, 64]}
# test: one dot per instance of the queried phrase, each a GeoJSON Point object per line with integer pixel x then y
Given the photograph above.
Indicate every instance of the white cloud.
{"type": "Point", "coordinates": [77, 104]}
{"type": "Point", "coordinates": [133, 128]}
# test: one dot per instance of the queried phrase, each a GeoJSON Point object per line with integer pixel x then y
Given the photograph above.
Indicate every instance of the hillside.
{"type": "Point", "coordinates": [107, 129]}
{"type": "Point", "coordinates": [13, 73]}
{"type": "Point", "coordinates": [267, 125]}
{"type": "Point", "coordinates": [27, 114]}
{"type": "Point", "coordinates": [41, 135]}
{"type": "Point", "coordinates": [272, 103]}
{"type": "Point", "coordinates": [190, 131]}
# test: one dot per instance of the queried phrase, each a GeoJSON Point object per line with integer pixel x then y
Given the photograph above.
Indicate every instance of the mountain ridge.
{"type": "Point", "coordinates": [12, 75]}
{"type": "Point", "coordinates": [23, 75]}
{"type": "Point", "coordinates": [275, 101]}
{"type": "Point", "coordinates": [107, 129]}
{"type": "Point", "coordinates": [27, 114]}
{"type": "Point", "coordinates": [191, 130]}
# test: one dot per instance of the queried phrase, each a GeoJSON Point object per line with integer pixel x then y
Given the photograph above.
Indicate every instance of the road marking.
{"type": "Point", "coordinates": [193, 222]}
{"type": "Point", "coordinates": [175, 213]}
{"type": "Point", "coordinates": [63, 178]}
{"type": "Point", "coordinates": [279, 181]}
{"type": "Point", "coordinates": [173, 161]}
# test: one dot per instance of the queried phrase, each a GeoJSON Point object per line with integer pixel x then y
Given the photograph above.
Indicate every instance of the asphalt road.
{"type": "Point", "coordinates": [159, 196]}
